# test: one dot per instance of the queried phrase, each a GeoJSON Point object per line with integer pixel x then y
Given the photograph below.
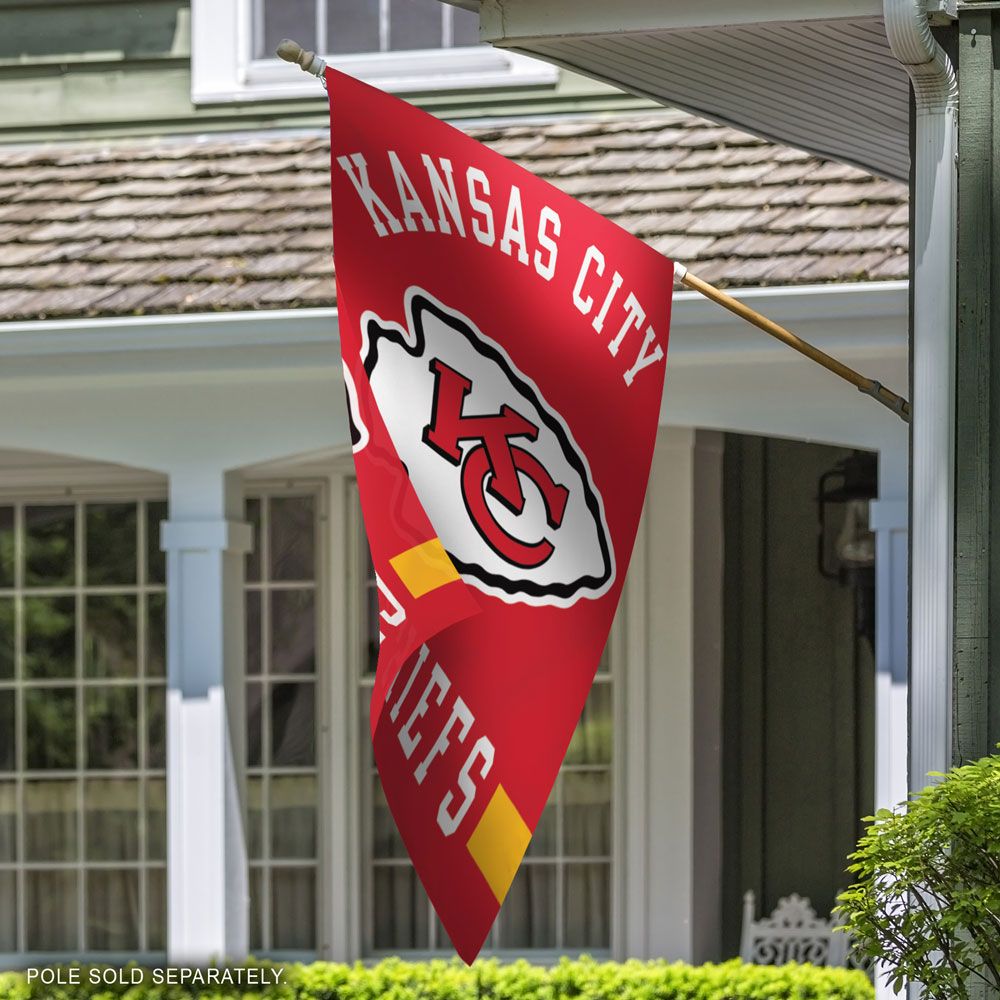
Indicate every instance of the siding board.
{"type": "Point", "coordinates": [101, 32]}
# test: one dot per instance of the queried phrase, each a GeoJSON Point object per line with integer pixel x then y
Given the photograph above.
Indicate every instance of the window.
{"type": "Point", "coordinates": [357, 27]}
{"type": "Point", "coordinates": [560, 900]}
{"type": "Point", "coordinates": [398, 45]}
{"type": "Point", "coordinates": [281, 697]}
{"type": "Point", "coordinates": [82, 727]}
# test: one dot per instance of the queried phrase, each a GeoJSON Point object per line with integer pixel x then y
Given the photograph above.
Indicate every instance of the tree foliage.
{"type": "Point", "coordinates": [926, 901]}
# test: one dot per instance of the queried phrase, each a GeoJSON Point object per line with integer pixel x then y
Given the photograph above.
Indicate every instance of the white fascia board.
{"type": "Point", "coordinates": [306, 342]}
{"type": "Point", "coordinates": [301, 342]}
{"type": "Point", "coordinates": [504, 22]}
{"type": "Point", "coordinates": [841, 319]}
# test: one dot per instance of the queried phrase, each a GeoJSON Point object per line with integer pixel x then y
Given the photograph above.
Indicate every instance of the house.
{"type": "Point", "coordinates": [186, 610]}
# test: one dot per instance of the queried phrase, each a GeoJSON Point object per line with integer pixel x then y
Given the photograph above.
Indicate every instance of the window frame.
{"type": "Point", "coordinates": [37, 490]}
{"type": "Point", "coordinates": [223, 70]}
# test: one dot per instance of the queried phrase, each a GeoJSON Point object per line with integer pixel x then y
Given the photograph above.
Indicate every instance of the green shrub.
{"type": "Point", "coordinates": [489, 980]}
{"type": "Point", "coordinates": [926, 901]}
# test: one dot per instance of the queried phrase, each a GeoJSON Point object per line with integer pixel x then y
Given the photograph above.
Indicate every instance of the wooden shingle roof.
{"type": "Point", "coordinates": [229, 223]}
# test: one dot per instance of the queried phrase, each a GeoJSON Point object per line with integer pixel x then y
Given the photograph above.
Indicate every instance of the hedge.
{"type": "Point", "coordinates": [485, 980]}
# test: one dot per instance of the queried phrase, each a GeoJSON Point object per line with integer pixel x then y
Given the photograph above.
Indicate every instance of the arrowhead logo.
{"type": "Point", "coordinates": [495, 467]}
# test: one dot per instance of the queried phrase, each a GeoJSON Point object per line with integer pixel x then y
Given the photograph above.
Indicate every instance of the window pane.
{"type": "Point", "coordinates": [156, 726]}
{"type": "Point", "coordinates": [591, 743]}
{"type": "Point", "coordinates": [293, 816]}
{"type": "Point", "coordinates": [156, 558]}
{"type": "Point", "coordinates": [110, 718]}
{"type": "Point", "coordinates": [401, 909]}
{"type": "Point", "coordinates": [8, 912]}
{"type": "Point", "coordinates": [415, 24]}
{"type": "Point", "coordinates": [7, 731]}
{"type": "Point", "coordinates": [156, 909]}
{"type": "Point", "coordinates": [293, 538]}
{"type": "Point", "coordinates": [386, 841]}
{"type": "Point", "coordinates": [587, 814]}
{"type": "Point", "coordinates": [352, 26]}
{"type": "Point", "coordinates": [7, 638]}
{"type": "Point", "coordinates": [8, 821]}
{"type": "Point", "coordinates": [286, 19]}
{"type": "Point", "coordinates": [255, 818]}
{"type": "Point", "coordinates": [111, 543]}
{"type": "Point", "coordinates": [528, 914]}
{"type": "Point", "coordinates": [293, 726]}
{"type": "Point", "coordinates": [156, 819]}
{"type": "Point", "coordinates": [51, 903]}
{"type": "Point", "coordinates": [464, 27]}
{"type": "Point", "coordinates": [254, 725]}
{"type": "Point", "coordinates": [50, 726]}
{"type": "Point", "coordinates": [156, 635]}
{"type": "Point", "coordinates": [543, 842]}
{"type": "Point", "coordinates": [112, 910]}
{"type": "Point", "coordinates": [373, 627]}
{"type": "Point", "coordinates": [50, 818]}
{"type": "Point", "coordinates": [293, 632]}
{"type": "Point", "coordinates": [49, 546]}
{"type": "Point", "coordinates": [109, 642]}
{"type": "Point", "coordinates": [253, 599]}
{"type": "Point", "coordinates": [49, 637]}
{"type": "Point", "coordinates": [252, 514]}
{"type": "Point", "coordinates": [293, 908]}
{"type": "Point", "coordinates": [257, 876]}
{"type": "Point", "coordinates": [6, 546]}
{"type": "Point", "coordinates": [111, 816]}
{"type": "Point", "coordinates": [588, 905]}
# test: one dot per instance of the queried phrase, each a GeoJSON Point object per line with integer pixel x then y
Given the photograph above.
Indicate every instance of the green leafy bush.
{"type": "Point", "coordinates": [927, 897]}
{"type": "Point", "coordinates": [489, 980]}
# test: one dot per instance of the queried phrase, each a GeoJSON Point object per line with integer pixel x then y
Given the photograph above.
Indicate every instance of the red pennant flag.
{"type": "Point", "coordinates": [504, 350]}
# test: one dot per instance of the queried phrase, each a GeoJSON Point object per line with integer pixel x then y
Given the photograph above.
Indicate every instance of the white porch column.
{"type": "Point", "coordinates": [889, 520]}
{"type": "Point", "coordinates": [207, 893]}
{"type": "Point", "coordinates": [671, 831]}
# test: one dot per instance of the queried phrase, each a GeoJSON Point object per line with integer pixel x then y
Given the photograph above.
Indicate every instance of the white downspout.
{"type": "Point", "coordinates": [932, 483]}
{"type": "Point", "coordinates": [932, 477]}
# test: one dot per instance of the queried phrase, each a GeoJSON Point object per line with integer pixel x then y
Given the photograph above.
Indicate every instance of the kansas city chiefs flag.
{"type": "Point", "coordinates": [504, 351]}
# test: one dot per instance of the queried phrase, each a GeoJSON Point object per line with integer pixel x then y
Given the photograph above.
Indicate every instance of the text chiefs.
{"type": "Point", "coordinates": [430, 196]}
{"type": "Point", "coordinates": [446, 724]}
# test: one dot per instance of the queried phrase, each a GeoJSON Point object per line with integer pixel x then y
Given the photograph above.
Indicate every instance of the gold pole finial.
{"type": "Point", "coordinates": [292, 52]}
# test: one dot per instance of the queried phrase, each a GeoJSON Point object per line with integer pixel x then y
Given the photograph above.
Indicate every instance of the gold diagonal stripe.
{"type": "Point", "coordinates": [424, 568]}
{"type": "Point", "coordinates": [498, 842]}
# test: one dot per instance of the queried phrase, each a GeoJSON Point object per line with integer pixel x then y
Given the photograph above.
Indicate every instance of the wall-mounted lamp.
{"type": "Point", "coordinates": [845, 543]}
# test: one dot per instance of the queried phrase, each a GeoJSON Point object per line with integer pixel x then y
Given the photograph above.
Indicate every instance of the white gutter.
{"type": "Point", "coordinates": [932, 485]}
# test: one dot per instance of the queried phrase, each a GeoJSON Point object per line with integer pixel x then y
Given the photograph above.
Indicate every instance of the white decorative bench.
{"type": "Point", "coordinates": [793, 933]}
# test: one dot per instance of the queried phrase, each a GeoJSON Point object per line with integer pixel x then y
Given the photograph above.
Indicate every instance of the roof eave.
{"type": "Point", "coordinates": [815, 74]}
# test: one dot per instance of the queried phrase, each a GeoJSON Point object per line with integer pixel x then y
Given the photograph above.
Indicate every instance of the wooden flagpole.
{"type": "Point", "coordinates": [311, 63]}
{"type": "Point", "coordinates": [869, 386]}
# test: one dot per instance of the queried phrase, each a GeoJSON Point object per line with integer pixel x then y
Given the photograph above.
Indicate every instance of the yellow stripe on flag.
{"type": "Point", "coordinates": [498, 842]}
{"type": "Point", "coordinates": [424, 568]}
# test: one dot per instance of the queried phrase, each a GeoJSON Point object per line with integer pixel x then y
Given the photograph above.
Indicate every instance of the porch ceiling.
{"type": "Point", "coordinates": [817, 75]}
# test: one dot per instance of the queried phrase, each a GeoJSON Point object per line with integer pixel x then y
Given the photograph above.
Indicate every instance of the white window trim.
{"type": "Point", "coordinates": [316, 485]}
{"type": "Point", "coordinates": [222, 70]}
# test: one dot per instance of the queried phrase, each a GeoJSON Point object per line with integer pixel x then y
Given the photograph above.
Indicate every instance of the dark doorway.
{"type": "Point", "coordinates": [798, 679]}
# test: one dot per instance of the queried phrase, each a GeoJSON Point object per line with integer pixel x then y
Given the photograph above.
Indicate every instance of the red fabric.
{"type": "Point", "coordinates": [493, 407]}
